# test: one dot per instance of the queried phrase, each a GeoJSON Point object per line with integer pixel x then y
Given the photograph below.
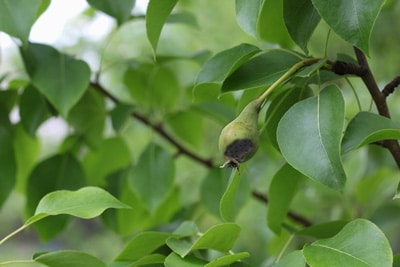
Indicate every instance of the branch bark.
{"type": "Point", "coordinates": [158, 128]}
{"type": "Point", "coordinates": [379, 100]}
{"type": "Point", "coordinates": [379, 97]}
{"type": "Point", "coordinates": [292, 215]}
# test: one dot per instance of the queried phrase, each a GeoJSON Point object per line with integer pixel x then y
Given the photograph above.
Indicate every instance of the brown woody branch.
{"type": "Point", "coordinates": [379, 97]}
{"type": "Point", "coordinates": [158, 128]}
{"type": "Point", "coordinates": [183, 150]}
{"type": "Point", "coordinates": [389, 88]}
{"type": "Point", "coordinates": [292, 215]}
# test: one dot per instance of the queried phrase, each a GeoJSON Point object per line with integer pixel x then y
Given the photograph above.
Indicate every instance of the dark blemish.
{"type": "Point", "coordinates": [238, 150]}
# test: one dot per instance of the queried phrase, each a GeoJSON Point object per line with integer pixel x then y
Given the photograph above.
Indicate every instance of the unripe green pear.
{"type": "Point", "coordinates": [239, 139]}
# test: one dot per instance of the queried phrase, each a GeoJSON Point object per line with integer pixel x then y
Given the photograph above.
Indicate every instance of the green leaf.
{"type": "Point", "coordinates": [323, 230]}
{"type": "Point", "coordinates": [153, 176]}
{"type": "Point", "coordinates": [374, 188]}
{"type": "Point", "coordinates": [220, 237]}
{"type": "Point", "coordinates": [396, 260]}
{"type": "Point", "coordinates": [293, 259]}
{"type": "Point", "coordinates": [60, 78]}
{"type": "Point", "coordinates": [182, 247]}
{"type": "Point", "coordinates": [156, 15]}
{"type": "Point", "coordinates": [142, 244]}
{"type": "Point", "coordinates": [168, 207]}
{"type": "Point", "coordinates": [55, 173]}
{"type": "Point", "coordinates": [212, 189]}
{"type": "Point", "coordinates": [152, 86]}
{"type": "Point", "coordinates": [8, 164]}
{"type": "Point", "coordinates": [119, 115]}
{"type": "Point", "coordinates": [188, 126]}
{"type": "Point", "coordinates": [366, 128]}
{"type": "Point", "coordinates": [174, 260]}
{"type": "Point", "coordinates": [309, 137]}
{"type": "Point", "coordinates": [151, 260]}
{"type": "Point", "coordinates": [219, 67]}
{"type": "Point", "coordinates": [247, 14]}
{"type": "Point", "coordinates": [88, 118]}
{"type": "Point", "coordinates": [300, 25]}
{"type": "Point", "coordinates": [260, 71]}
{"type": "Point", "coordinates": [227, 259]}
{"type": "Point", "coordinates": [87, 202]}
{"type": "Point", "coordinates": [279, 106]}
{"type": "Point", "coordinates": [101, 162]}
{"type": "Point", "coordinates": [183, 18]}
{"type": "Point", "coordinates": [271, 13]}
{"type": "Point", "coordinates": [352, 20]}
{"type": "Point", "coordinates": [33, 109]}
{"type": "Point", "coordinates": [234, 197]}
{"type": "Point", "coordinates": [138, 214]}
{"type": "Point", "coordinates": [27, 150]}
{"type": "Point", "coordinates": [282, 189]}
{"type": "Point", "coordinates": [360, 243]}
{"type": "Point", "coordinates": [118, 9]}
{"type": "Point", "coordinates": [69, 258]}
{"type": "Point", "coordinates": [187, 228]}
{"type": "Point", "coordinates": [8, 98]}
{"type": "Point", "coordinates": [17, 18]}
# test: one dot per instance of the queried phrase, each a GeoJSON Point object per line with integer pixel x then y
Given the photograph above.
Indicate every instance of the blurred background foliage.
{"type": "Point", "coordinates": [212, 27]}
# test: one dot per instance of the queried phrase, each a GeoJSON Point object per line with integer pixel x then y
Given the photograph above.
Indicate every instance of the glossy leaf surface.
{"type": "Point", "coordinates": [69, 258]}
{"type": "Point", "coordinates": [352, 20]}
{"type": "Point", "coordinates": [283, 187]}
{"type": "Point", "coordinates": [59, 172]}
{"type": "Point", "coordinates": [309, 137]}
{"type": "Point", "coordinates": [8, 163]}
{"type": "Point", "coordinates": [156, 15]}
{"type": "Point", "coordinates": [366, 128]}
{"type": "Point", "coordinates": [261, 70]}
{"type": "Point", "coordinates": [59, 77]}
{"type": "Point", "coordinates": [119, 9]}
{"type": "Point", "coordinates": [153, 176]}
{"type": "Point", "coordinates": [271, 13]}
{"type": "Point", "coordinates": [301, 19]}
{"type": "Point", "coordinates": [352, 246]}
{"type": "Point", "coordinates": [86, 203]}
{"type": "Point", "coordinates": [219, 67]}
{"type": "Point", "coordinates": [33, 109]}
{"type": "Point", "coordinates": [292, 259]}
{"type": "Point", "coordinates": [234, 197]}
{"type": "Point", "coordinates": [17, 18]}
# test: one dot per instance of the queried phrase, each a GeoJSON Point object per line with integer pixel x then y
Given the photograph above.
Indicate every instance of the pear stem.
{"type": "Point", "coordinates": [296, 67]}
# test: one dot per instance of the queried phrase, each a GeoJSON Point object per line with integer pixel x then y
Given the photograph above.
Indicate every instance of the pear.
{"type": "Point", "coordinates": [239, 139]}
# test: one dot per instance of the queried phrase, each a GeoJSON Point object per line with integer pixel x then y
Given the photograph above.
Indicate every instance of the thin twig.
{"type": "Point", "coordinates": [158, 128]}
{"type": "Point", "coordinates": [292, 215]}
{"type": "Point", "coordinates": [389, 88]}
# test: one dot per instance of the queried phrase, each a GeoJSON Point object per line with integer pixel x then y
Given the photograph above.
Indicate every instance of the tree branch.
{"type": "Point", "coordinates": [292, 215]}
{"type": "Point", "coordinates": [363, 71]}
{"type": "Point", "coordinates": [379, 100]}
{"type": "Point", "coordinates": [389, 88]}
{"type": "Point", "coordinates": [158, 128]}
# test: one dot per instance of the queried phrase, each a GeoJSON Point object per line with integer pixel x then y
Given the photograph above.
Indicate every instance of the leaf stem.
{"type": "Point", "coordinates": [13, 233]}
{"type": "Point", "coordinates": [355, 93]}
{"type": "Point", "coordinates": [296, 67]}
{"type": "Point", "coordinates": [285, 247]}
{"type": "Point", "coordinates": [4, 263]}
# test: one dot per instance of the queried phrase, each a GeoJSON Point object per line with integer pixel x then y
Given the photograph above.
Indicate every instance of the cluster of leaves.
{"type": "Point", "coordinates": [142, 182]}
